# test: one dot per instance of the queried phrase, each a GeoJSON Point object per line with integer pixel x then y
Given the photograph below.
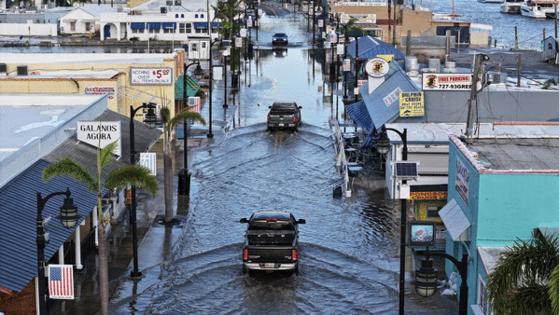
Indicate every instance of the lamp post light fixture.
{"type": "Point", "coordinates": [426, 279]}
{"type": "Point", "coordinates": [383, 146]}
{"type": "Point", "coordinates": [183, 187]}
{"type": "Point", "coordinates": [150, 119]}
{"type": "Point", "coordinates": [69, 218]}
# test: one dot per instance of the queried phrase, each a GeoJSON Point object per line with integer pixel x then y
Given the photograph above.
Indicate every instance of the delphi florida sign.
{"type": "Point", "coordinates": [99, 133]}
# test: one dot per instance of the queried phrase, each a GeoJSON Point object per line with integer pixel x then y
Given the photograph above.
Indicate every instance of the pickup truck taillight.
{"type": "Point", "coordinates": [294, 255]}
{"type": "Point", "coordinates": [245, 254]}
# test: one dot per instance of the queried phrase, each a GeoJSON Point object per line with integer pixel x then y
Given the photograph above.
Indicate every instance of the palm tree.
{"type": "Point", "coordinates": [125, 176]}
{"type": "Point", "coordinates": [168, 127]}
{"type": "Point", "coordinates": [526, 279]}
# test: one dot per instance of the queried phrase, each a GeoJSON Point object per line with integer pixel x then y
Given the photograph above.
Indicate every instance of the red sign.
{"type": "Point", "coordinates": [428, 195]}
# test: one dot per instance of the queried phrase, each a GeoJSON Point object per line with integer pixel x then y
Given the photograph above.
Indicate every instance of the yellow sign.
{"type": "Point", "coordinates": [388, 58]}
{"type": "Point", "coordinates": [411, 104]}
{"type": "Point", "coordinates": [428, 195]}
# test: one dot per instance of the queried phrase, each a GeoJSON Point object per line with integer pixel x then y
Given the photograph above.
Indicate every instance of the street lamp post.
{"type": "Point", "coordinates": [225, 54]}
{"type": "Point", "coordinates": [383, 146]}
{"type": "Point", "coordinates": [462, 267]}
{"type": "Point", "coordinates": [150, 119]}
{"type": "Point", "coordinates": [69, 218]}
{"type": "Point", "coordinates": [183, 188]}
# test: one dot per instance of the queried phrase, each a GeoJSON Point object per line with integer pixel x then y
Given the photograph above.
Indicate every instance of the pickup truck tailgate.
{"type": "Point", "coordinates": [263, 254]}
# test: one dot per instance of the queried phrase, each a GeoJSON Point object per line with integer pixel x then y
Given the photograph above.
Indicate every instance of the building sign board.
{"type": "Point", "coordinates": [151, 76]}
{"type": "Point", "coordinates": [100, 90]}
{"type": "Point", "coordinates": [447, 81]}
{"type": "Point", "coordinates": [462, 180]}
{"type": "Point", "coordinates": [412, 104]}
{"type": "Point", "coordinates": [428, 195]}
{"type": "Point", "coordinates": [99, 133]}
{"type": "Point", "coordinates": [377, 67]}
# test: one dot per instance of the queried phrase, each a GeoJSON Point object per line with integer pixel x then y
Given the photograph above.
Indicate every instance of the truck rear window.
{"type": "Point", "coordinates": [262, 225]}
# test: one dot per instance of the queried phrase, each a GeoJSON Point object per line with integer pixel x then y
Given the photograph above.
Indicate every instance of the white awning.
{"type": "Point", "coordinates": [455, 221]}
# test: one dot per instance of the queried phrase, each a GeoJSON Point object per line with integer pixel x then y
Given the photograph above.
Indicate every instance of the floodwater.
{"type": "Point", "coordinates": [349, 247]}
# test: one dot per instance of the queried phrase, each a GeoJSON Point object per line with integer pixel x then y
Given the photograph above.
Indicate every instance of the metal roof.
{"type": "Point", "coordinates": [18, 207]}
{"type": "Point", "coordinates": [359, 113]}
{"type": "Point", "coordinates": [370, 47]}
{"type": "Point", "coordinates": [383, 103]}
{"type": "Point", "coordinates": [489, 257]}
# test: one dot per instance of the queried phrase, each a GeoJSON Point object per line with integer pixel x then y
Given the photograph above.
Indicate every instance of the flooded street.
{"type": "Point", "coordinates": [348, 248]}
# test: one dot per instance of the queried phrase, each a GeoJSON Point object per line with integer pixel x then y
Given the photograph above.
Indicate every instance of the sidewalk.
{"type": "Point", "coordinates": [155, 241]}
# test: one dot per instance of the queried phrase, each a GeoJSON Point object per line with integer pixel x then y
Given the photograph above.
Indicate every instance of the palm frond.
{"type": "Point", "coordinates": [553, 290]}
{"type": "Point", "coordinates": [106, 154]}
{"type": "Point", "coordinates": [185, 115]}
{"type": "Point", "coordinates": [529, 300]}
{"type": "Point", "coordinates": [527, 264]}
{"type": "Point", "coordinates": [132, 175]}
{"type": "Point", "coordinates": [68, 167]}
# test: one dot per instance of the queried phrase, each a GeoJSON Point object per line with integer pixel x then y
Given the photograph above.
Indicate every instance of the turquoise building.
{"type": "Point", "coordinates": [499, 190]}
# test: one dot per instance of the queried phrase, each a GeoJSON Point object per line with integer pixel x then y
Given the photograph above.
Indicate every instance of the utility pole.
{"type": "Point", "coordinates": [472, 103]}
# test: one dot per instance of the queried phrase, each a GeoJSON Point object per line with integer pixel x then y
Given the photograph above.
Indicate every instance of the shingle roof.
{"type": "Point", "coordinates": [86, 155]}
{"type": "Point", "coordinates": [18, 207]}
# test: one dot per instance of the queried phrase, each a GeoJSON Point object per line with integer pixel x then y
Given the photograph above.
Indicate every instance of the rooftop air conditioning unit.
{"type": "Point", "coordinates": [21, 70]}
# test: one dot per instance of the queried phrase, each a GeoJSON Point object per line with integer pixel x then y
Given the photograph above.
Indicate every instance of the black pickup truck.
{"type": "Point", "coordinates": [284, 115]}
{"type": "Point", "coordinates": [271, 242]}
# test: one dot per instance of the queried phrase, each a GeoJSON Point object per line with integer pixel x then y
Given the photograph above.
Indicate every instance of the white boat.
{"type": "Point", "coordinates": [511, 6]}
{"type": "Point", "coordinates": [537, 10]}
{"type": "Point", "coordinates": [491, 1]}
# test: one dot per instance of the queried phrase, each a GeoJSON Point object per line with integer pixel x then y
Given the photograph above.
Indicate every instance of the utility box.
{"type": "Point", "coordinates": [550, 49]}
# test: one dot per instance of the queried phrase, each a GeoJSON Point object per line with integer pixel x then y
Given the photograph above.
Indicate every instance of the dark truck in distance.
{"type": "Point", "coordinates": [279, 39]}
{"type": "Point", "coordinates": [284, 115]}
{"type": "Point", "coordinates": [271, 242]}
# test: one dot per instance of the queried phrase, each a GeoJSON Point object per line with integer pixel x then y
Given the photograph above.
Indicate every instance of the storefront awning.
{"type": "Point", "coordinates": [154, 25]}
{"type": "Point", "coordinates": [204, 25]}
{"type": "Point", "coordinates": [455, 221]}
{"type": "Point", "coordinates": [359, 113]}
{"type": "Point", "coordinates": [137, 26]}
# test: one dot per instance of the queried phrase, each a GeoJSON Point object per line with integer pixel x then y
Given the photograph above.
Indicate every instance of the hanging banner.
{"type": "Point", "coordinates": [61, 282]}
{"type": "Point", "coordinates": [217, 73]}
{"type": "Point", "coordinates": [412, 104]}
{"type": "Point", "coordinates": [99, 133]}
{"type": "Point", "coordinates": [340, 49]}
{"type": "Point", "coordinates": [346, 66]}
{"type": "Point", "coordinates": [447, 81]}
{"type": "Point", "coordinates": [238, 42]}
{"type": "Point", "coordinates": [149, 161]}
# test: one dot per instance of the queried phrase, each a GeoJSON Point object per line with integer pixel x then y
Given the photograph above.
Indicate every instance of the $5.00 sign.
{"type": "Point", "coordinates": [151, 76]}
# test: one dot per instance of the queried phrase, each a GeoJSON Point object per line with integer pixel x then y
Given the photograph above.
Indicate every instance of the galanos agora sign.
{"type": "Point", "coordinates": [99, 133]}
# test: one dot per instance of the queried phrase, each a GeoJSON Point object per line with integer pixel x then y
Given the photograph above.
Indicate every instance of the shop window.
{"type": "Point", "coordinates": [201, 16]}
{"type": "Point", "coordinates": [194, 47]}
{"type": "Point", "coordinates": [182, 16]}
{"type": "Point", "coordinates": [482, 302]}
{"type": "Point", "coordinates": [73, 26]}
{"type": "Point", "coordinates": [177, 15]}
{"type": "Point", "coordinates": [87, 26]}
{"type": "Point", "coordinates": [433, 212]}
{"type": "Point", "coordinates": [154, 31]}
{"type": "Point", "coordinates": [188, 28]}
{"type": "Point", "coordinates": [168, 30]}
{"type": "Point", "coordinates": [203, 44]}
{"type": "Point", "coordinates": [195, 16]}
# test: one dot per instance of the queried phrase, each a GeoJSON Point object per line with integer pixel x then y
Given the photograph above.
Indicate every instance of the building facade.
{"type": "Point", "coordinates": [128, 79]}
{"type": "Point", "coordinates": [499, 189]}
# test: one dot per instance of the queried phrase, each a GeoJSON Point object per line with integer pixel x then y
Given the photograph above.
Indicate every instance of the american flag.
{"type": "Point", "coordinates": [61, 282]}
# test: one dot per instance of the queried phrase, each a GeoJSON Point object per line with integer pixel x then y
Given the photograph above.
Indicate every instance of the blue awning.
{"type": "Point", "coordinates": [154, 25]}
{"type": "Point", "coordinates": [137, 26]}
{"type": "Point", "coordinates": [359, 113]}
{"type": "Point", "coordinates": [383, 103]}
{"type": "Point", "coordinates": [18, 210]}
{"type": "Point", "coordinates": [204, 25]}
{"type": "Point", "coordinates": [169, 25]}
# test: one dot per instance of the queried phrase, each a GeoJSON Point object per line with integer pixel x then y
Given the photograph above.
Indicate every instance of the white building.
{"type": "Point", "coordinates": [84, 19]}
{"type": "Point", "coordinates": [186, 27]}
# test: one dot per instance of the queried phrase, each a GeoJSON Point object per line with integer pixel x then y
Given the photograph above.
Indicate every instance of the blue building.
{"type": "Point", "coordinates": [499, 190]}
